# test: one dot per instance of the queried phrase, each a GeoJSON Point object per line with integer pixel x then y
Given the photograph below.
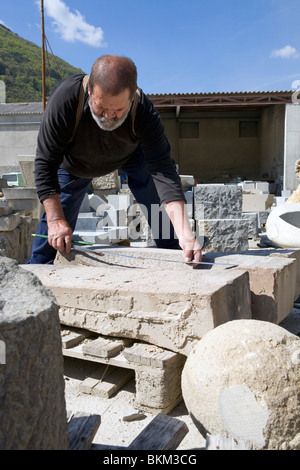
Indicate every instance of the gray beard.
{"type": "Point", "coordinates": [108, 124]}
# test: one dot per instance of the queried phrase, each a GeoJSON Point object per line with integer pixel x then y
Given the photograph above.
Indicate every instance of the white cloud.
{"type": "Point", "coordinates": [72, 27]}
{"type": "Point", "coordinates": [3, 24]}
{"type": "Point", "coordinates": [287, 52]}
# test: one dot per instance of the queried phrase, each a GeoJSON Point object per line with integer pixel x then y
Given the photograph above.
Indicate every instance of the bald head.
{"type": "Point", "coordinates": [114, 74]}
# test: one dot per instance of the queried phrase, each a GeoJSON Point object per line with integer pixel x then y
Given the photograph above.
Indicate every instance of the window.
{"type": "Point", "coordinates": [248, 129]}
{"type": "Point", "coordinates": [189, 130]}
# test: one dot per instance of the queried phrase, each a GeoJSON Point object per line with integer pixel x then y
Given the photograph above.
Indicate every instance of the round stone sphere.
{"type": "Point", "coordinates": [242, 380]}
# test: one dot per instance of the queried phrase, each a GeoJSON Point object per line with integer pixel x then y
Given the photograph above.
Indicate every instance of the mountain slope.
{"type": "Point", "coordinates": [21, 68]}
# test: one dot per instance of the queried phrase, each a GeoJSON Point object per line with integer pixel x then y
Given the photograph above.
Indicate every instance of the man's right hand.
{"type": "Point", "coordinates": [60, 235]}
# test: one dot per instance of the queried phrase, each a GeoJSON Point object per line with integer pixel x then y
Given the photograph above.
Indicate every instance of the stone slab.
{"type": "Point", "coordinates": [160, 307]}
{"type": "Point", "coordinates": [272, 281]}
{"type": "Point", "coordinates": [163, 259]}
{"type": "Point", "coordinates": [20, 193]}
{"type": "Point", "coordinates": [135, 257]}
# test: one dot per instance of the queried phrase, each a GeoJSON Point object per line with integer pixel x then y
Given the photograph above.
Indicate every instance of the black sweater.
{"type": "Point", "coordinates": [94, 152]}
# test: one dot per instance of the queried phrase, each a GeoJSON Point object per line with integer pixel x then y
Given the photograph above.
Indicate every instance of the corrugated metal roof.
{"type": "Point", "coordinates": [215, 99]}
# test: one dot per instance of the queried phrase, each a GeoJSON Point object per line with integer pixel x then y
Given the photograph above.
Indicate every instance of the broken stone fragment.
{"type": "Point", "coordinates": [133, 415]}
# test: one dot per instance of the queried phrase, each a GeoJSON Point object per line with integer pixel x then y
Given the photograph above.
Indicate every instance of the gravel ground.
{"type": "Point", "coordinates": [113, 430]}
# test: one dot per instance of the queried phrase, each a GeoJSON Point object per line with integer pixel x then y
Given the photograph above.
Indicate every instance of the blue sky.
{"type": "Point", "coordinates": [190, 46]}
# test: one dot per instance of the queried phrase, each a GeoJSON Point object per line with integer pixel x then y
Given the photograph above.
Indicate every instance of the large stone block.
{"type": "Point", "coordinates": [224, 234]}
{"type": "Point", "coordinates": [272, 281]}
{"type": "Point", "coordinates": [218, 201]}
{"type": "Point", "coordinates": [160, 307]}
{"type": "Point", "coordinates": [257, 202]}
{"type": "Point", "coordinates": [32, 402]}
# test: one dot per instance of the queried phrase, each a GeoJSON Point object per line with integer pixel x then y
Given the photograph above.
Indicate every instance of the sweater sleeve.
{"type": "Point", "coordinates": [55, 132]}
{"type": "Point", "coordinates": [156, 148]}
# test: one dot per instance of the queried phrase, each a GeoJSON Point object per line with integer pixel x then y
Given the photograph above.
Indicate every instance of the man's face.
{"type": "Point", "coordinates": [109, 111]}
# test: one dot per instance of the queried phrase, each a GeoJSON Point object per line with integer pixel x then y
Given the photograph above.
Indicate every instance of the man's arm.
{"type": "Point", "coordinates": [59, 231]}
{"type": "Point", "coordinates": [187, 240]}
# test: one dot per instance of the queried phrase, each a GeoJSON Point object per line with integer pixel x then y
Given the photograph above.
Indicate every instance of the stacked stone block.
{"type": "Point", "coordinates": [100, 221]}
{"type": "Point", "coordinates": [19, 215]}
{"type": "Point", "coordinates": [218, 216]}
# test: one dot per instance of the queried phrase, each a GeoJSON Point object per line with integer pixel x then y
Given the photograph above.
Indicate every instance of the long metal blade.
{"type": "Point", "coordinates": [100, 253]}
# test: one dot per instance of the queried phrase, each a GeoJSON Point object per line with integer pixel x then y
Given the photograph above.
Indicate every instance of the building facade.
{"type": "Point", "coordinates": [216, 137]}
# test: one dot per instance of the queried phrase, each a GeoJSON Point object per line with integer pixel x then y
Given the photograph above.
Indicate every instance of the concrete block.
{"type": "Point", "coordinates": [224, 234]}
{"type": "Point", "coordinates": [262, 186]}
{"type": "Point", "coordinates": [111, 217]}
{"type": "Point", "coordinates": [247, 185]}
{"type": "Point", "coordinates": [87, 222]}
{"type": "Point", "coordinates": [85, 205]}
{"type": "Point", "coordinates": [291, 254]}
{"type": "Point", "coordinates": [257, 202]}
{"type": "Point", "coordinates": [121, 201]}
{"type": "Point", "coordinates": [155, 306]}
{"type": "Point", "coordinates": [95, 201]}
{"type": "Point", "coordinates": [189, 196]}
{"type": "Point", "coordinates": [107, 235]}
{"type": "Point", "coordinates": [272, 281]}
{"type": "Point", "coordinates": [280, 200]}
{"type": "Point", "coordinates": [218, 201]}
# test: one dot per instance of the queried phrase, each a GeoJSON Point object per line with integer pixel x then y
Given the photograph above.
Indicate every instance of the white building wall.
{"type": "Point", "coordinates": [292, 145]}
{"type": "Point", "coordinates": [16, 138]}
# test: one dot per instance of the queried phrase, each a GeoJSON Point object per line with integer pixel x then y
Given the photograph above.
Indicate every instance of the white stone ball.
{"type": "Point", "coordinates": [242, 380]}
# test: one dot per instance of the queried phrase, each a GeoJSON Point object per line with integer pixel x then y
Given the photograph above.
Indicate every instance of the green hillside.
{"type": "Point", "coordinates": [21, 68]}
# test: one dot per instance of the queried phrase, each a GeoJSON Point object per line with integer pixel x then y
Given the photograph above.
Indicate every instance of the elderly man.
{"type": "Point", "coordinates": [105, 139]}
